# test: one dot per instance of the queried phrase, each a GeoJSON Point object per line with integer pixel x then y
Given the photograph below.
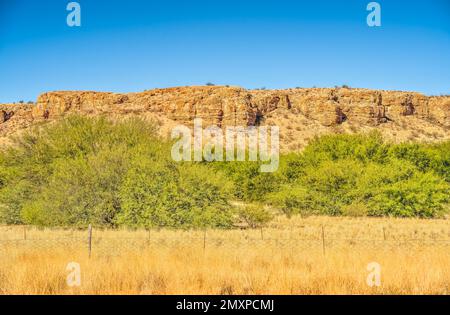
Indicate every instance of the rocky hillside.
{"type": "Point", "coordinates": [300, 113]}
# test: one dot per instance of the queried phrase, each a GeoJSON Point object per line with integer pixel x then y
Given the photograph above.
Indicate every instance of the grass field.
{"type": "Point", "coordinates": [315, 255]}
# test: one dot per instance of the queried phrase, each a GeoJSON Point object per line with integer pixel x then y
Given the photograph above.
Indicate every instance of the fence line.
{"type": "Point", "coordinates": [108, 245]}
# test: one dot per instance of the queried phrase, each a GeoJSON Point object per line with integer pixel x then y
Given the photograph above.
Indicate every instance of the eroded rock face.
{"type": "Point", "coordinates": [13, 114]}
{"type": "Point", "coordinates": [234, 106]}
{"type": "Point", "coordinates": [367, 107]}
{"type": "Point", "coordinates": [5, 116]}
{"type": "Point", "coordinates": [439, 110]}
{"type": "Point", "coordinates": [56, 104]}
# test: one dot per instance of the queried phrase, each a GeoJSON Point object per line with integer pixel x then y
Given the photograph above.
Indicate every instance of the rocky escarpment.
{"type": "Point", "coordinates": [301, 113]}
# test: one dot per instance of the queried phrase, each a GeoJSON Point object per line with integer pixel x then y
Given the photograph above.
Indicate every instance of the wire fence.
{"type": "Point", "coordinates": [101, 243]}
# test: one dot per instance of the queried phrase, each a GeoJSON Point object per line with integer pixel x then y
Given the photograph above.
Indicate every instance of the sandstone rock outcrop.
{"type": "Point", "coordinates": [318, 108]}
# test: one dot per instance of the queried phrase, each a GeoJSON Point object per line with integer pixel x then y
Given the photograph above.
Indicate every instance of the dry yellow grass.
{"type": "Point", "coordinates": [285, 258]}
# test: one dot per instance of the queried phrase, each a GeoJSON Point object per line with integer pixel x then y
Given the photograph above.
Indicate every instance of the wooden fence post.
{"type": "Point", "coordinates": [384, 233]}
{"type": "Point", "coordinates": [323, 240]}
{"type": "Point", "coordinates": [90, 240]}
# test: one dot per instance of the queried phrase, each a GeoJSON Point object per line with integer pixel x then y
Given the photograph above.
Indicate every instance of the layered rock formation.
{"type": "Point", "coordinates": [301, 112]}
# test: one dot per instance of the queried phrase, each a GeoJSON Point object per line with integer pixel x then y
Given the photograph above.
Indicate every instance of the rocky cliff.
{"type": "Point", "coordinates": [300, 113]}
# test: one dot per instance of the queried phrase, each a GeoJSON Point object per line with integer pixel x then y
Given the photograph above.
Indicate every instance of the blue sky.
{"type": "Point", "coordinates": [126, 46]}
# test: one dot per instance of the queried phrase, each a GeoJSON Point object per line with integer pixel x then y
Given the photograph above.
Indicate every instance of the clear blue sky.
{"type": "Point", "coordinates": [133, 45]}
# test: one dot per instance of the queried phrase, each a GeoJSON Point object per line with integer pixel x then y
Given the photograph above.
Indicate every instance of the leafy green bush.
{"type": "Point", "coordinates": [82, 171]}
{"type": "Point", "coordinates": [431, 157]}
{"type": "Point", "coordinates": [362, 147]}
{"type": "Point", "coordinates": [362, 175]}
{"type": "Point", "coordinates": [159, 195]}
{"type": "Point", "coordinates": [254, 215]}
{"type": "Point", "coordinates": [250, 184]}
{"type": "Point", "coordinates": [422, 195]}
{"type": "Point", "coordinates": [294, 199]}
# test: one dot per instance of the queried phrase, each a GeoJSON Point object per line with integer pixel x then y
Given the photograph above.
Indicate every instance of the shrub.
{"type": "Point", "coordinates": [293, 199]}
{"type": "Point", "coordinates": [362, 175]}
{"type": "Point", "coordinates": [362, 147]}
{"type": "Point", "coordinates": [422, 195]}
{"type": "Point", "coordinates": [322, 190]}
{"type": "Point", "coordinates": [82, 171]}
{"type": "Point", "coordinates": [250, 184]}
{"type": "Point", "coordinates": [157, 195]}
{"type": "Point", "coordinates": [355, 209]}
{"type": "Point", "coordinates": [434, 157]}
{"type": "Point", "coordinates": [255, 215]}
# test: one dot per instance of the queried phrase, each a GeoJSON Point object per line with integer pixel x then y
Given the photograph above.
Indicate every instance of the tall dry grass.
{"type": "Point", "coordinates": [286, 258]}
